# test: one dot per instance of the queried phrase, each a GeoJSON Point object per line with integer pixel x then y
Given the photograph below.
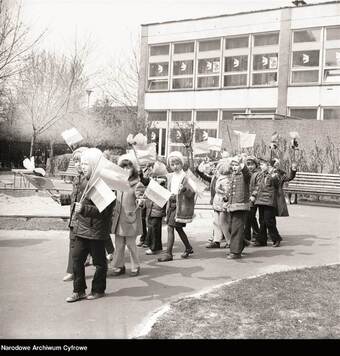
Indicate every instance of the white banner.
{"type": "Point", "coordinates": [101, 195]}
{"type": "Point", "coordinates": [71, 136]}
{"type": "Point", "coordinates": [158, 194]}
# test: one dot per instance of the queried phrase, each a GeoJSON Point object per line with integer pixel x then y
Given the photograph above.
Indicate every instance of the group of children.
{"type": "Point", "coordinates": [239, 186]}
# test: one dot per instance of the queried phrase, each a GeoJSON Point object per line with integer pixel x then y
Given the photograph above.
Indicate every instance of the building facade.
{"type": "Point", "coordinates": [202, 72]}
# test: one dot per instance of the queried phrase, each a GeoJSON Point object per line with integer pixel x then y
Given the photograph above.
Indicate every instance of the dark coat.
{"type": "Point", "coordinates": [238, 195]}
{"type": "Point", "coordinates": [185, 202]}
{"type": "Point", "coordinates": [265, 188]}
{"type": "Point", "coordinates": [152, 209]}
{"type": "Point", "coordinates": [70, 199]}
{"type": "Point", "coordinates": [282, 209]}
{"type": "Point", "coordinates": [89, 223]}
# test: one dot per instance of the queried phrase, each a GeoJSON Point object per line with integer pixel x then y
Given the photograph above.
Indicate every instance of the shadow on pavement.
{"type": "Point", "coordinates": [21, 242]}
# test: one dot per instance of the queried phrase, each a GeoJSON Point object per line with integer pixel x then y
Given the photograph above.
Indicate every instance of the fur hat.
{"type": "Point", "coordinates": [76, 154]}
{"type": "Point", "coordinates": [254, 159]}
{"type": "Point", "coordinates": [128, 157]}
{"type": "Point", "coordinates": [223, 166]}
{"type": "Point", "coordinates": [92, 156]}
{"type": "Point", "coordinates": [159, 169]}
{"type": "Point", "coordinates": [176, 154]}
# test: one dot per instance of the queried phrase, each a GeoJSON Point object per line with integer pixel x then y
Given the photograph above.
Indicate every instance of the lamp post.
{"type": "Point", "coordinates": [88, 92]}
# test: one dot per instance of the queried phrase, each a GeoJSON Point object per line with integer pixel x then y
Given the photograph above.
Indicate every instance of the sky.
{"type": "Point", "coordinates": [111, 27]}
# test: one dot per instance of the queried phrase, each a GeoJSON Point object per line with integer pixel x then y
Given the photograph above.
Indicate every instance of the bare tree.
{"type": "Point", "coordinates": [14, 40]}
{"type": "Point", "coordinates": [49, 87]}
{"type": "Point", "coordinates": [120, 84]}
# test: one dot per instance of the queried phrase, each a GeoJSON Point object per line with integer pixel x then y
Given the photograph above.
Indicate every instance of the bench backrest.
{"type": "Point", "coordinates": [315, 181]}
{"type": "Point", "coordinates": [71, 169]}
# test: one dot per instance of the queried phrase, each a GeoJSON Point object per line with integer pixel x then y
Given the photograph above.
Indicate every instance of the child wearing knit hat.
{"type": "Point", "coordinates": [180, 207]}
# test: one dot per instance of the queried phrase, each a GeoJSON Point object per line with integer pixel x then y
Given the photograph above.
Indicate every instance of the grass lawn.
{"type": "Point", "coordinates": [300, 304]}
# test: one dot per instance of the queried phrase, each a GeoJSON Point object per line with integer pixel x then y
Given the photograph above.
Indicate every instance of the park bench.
{"type": "Point", "coordinates": [7, 183]}
{"type": "Point", "coordinates": [319, 184]}
{"type": "Point", "coordinates": [70, 172]}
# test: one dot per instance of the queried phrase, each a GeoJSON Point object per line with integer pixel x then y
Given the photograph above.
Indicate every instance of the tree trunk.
{"type": "Point", "coordinates": [32, 143]}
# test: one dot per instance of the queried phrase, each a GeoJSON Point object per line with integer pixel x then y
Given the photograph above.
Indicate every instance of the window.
{"type": "Point", "coordinates": [206, 116]}
{"type": "Point", "coordinates": [159, 50]}
{"type": "Point", "coordinates": [157, 116]}
{"type": "Point", "coordinates": [331, 113]}
{"type": "Point", "coordinates": [181, 116]}
{"type": "Point", "coordinates": [304, 113]}
{"type": "Point", "coordinates": [236, 61]}
{"type": "Point", "coordinates": [331, 72]}
{"type": "Point", "coordinates": [265, 59]}
{"type": "Point", "coordinates": [266, 39]}
{"type": "Point", "coordinates": [209, 45]}
{"type": "Point", "coordinates": [306, 36]}
{"type": "Point", "coordinates": [203, 134]}
{"type": "Point", "coordinates": [229, 114]}
{"type": "Point", "coordinates": [179, 135]}
{"type": "Point", "coordinates": [208, 64]}
{"type": "Point", "coordinates": [305, 61]}
{"type": "Point", "coordinates": [158, 77]}
{"type": "Point", "coordinates": [237, 42]}
{"type": "Point", "coordinates": [183, 65]}
{"type": "Point", "coordinates": [333, 34]}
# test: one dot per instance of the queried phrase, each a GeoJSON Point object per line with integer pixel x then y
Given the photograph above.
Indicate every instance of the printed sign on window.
{"type": "Point", "coordinates": [273, 62]}
{"type": "Point", "coordinates": [216, 67]}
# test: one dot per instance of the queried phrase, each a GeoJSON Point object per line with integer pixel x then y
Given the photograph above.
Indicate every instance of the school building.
{"type": "Point", "coordinates": [257, 71]}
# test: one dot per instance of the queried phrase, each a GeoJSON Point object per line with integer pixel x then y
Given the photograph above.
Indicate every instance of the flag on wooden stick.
{"type": "Point", "coordinates": [146, 153]}
{"type": "Point", "coordinates": [158, 194]}
{"type": "Point", "coordinates": [101, 195]}
{"type": "Point", "coordinates": [71, 136]}
{"type": "Point", "coordinates": [195, 184]}
{"type": "Point", "coordinates": [247, 140]}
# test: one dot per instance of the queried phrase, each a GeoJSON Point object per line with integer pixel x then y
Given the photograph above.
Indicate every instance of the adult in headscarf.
{"type": "Point", "coordinates": [92, 229]}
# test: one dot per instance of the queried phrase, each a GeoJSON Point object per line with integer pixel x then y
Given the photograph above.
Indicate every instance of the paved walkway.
{"type": "Point", "coordinates": [32, 264]}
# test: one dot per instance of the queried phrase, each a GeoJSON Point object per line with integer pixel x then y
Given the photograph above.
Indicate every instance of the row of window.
{"type": "Point", "coordinates": [246, 60]}
{"type": "Point", "coordinates": [185, 116]}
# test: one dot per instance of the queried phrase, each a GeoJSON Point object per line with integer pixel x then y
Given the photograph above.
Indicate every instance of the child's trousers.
{"type": "Point", "coordinates": [236, 229]}
{"type": "Point", "coordinates": [221, 226]}
{"type": "Point", "coordinates": [119, 254]}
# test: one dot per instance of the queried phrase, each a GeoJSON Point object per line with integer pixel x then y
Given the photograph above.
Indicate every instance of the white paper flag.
{"type": "Point", "coordinates": [101, 195]}
{"type": "Point", "coordinates": [158, 194]}
{"type": "Point", "coordinates": [200, 148]}
{"type": "Point", "coordinates": [116, 178]}
{"type": "Point", "coordinates": [247, 140]}
{"type": "Point", "coordinates": [240, 132]}
{"type": "Point", "coordinates": [294, 134]}
{"type": "Point", "coordinates": [196, 185]}
{"type": "Point", "coordinates": [215, 144]}
{"type": "Point", "coordinates": [146, 153]}
{"type": "Point", "coordinates": [71, 136]}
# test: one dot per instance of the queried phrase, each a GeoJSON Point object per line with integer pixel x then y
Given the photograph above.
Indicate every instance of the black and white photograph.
{"type": "Point", "coordinates": [169, 170]}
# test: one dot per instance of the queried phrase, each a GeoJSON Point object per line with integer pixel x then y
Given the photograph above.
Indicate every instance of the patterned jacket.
{"type": "Point", "coordinates": [238, 195]}
{"type": "Point", "coordinates": [265, 188]}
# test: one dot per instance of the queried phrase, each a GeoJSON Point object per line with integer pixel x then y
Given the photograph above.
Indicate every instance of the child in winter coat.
{"type": "Point", "coordinates": [221, 217]}
{"type": "Point", "coordinates": [180, 207]}
{"type": "Point", "coordinates": [91, 229]}
{"type": "Point", "coordinates": [264, 195]}
{"type": "Point", "coordinates": [154, 213]}
{"type": "Point", "coordinates": [251, 221]}
{"type": "Point", "coordinates": [238, 205]}
{"type": "Point", "coordinates": [127, 220]}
